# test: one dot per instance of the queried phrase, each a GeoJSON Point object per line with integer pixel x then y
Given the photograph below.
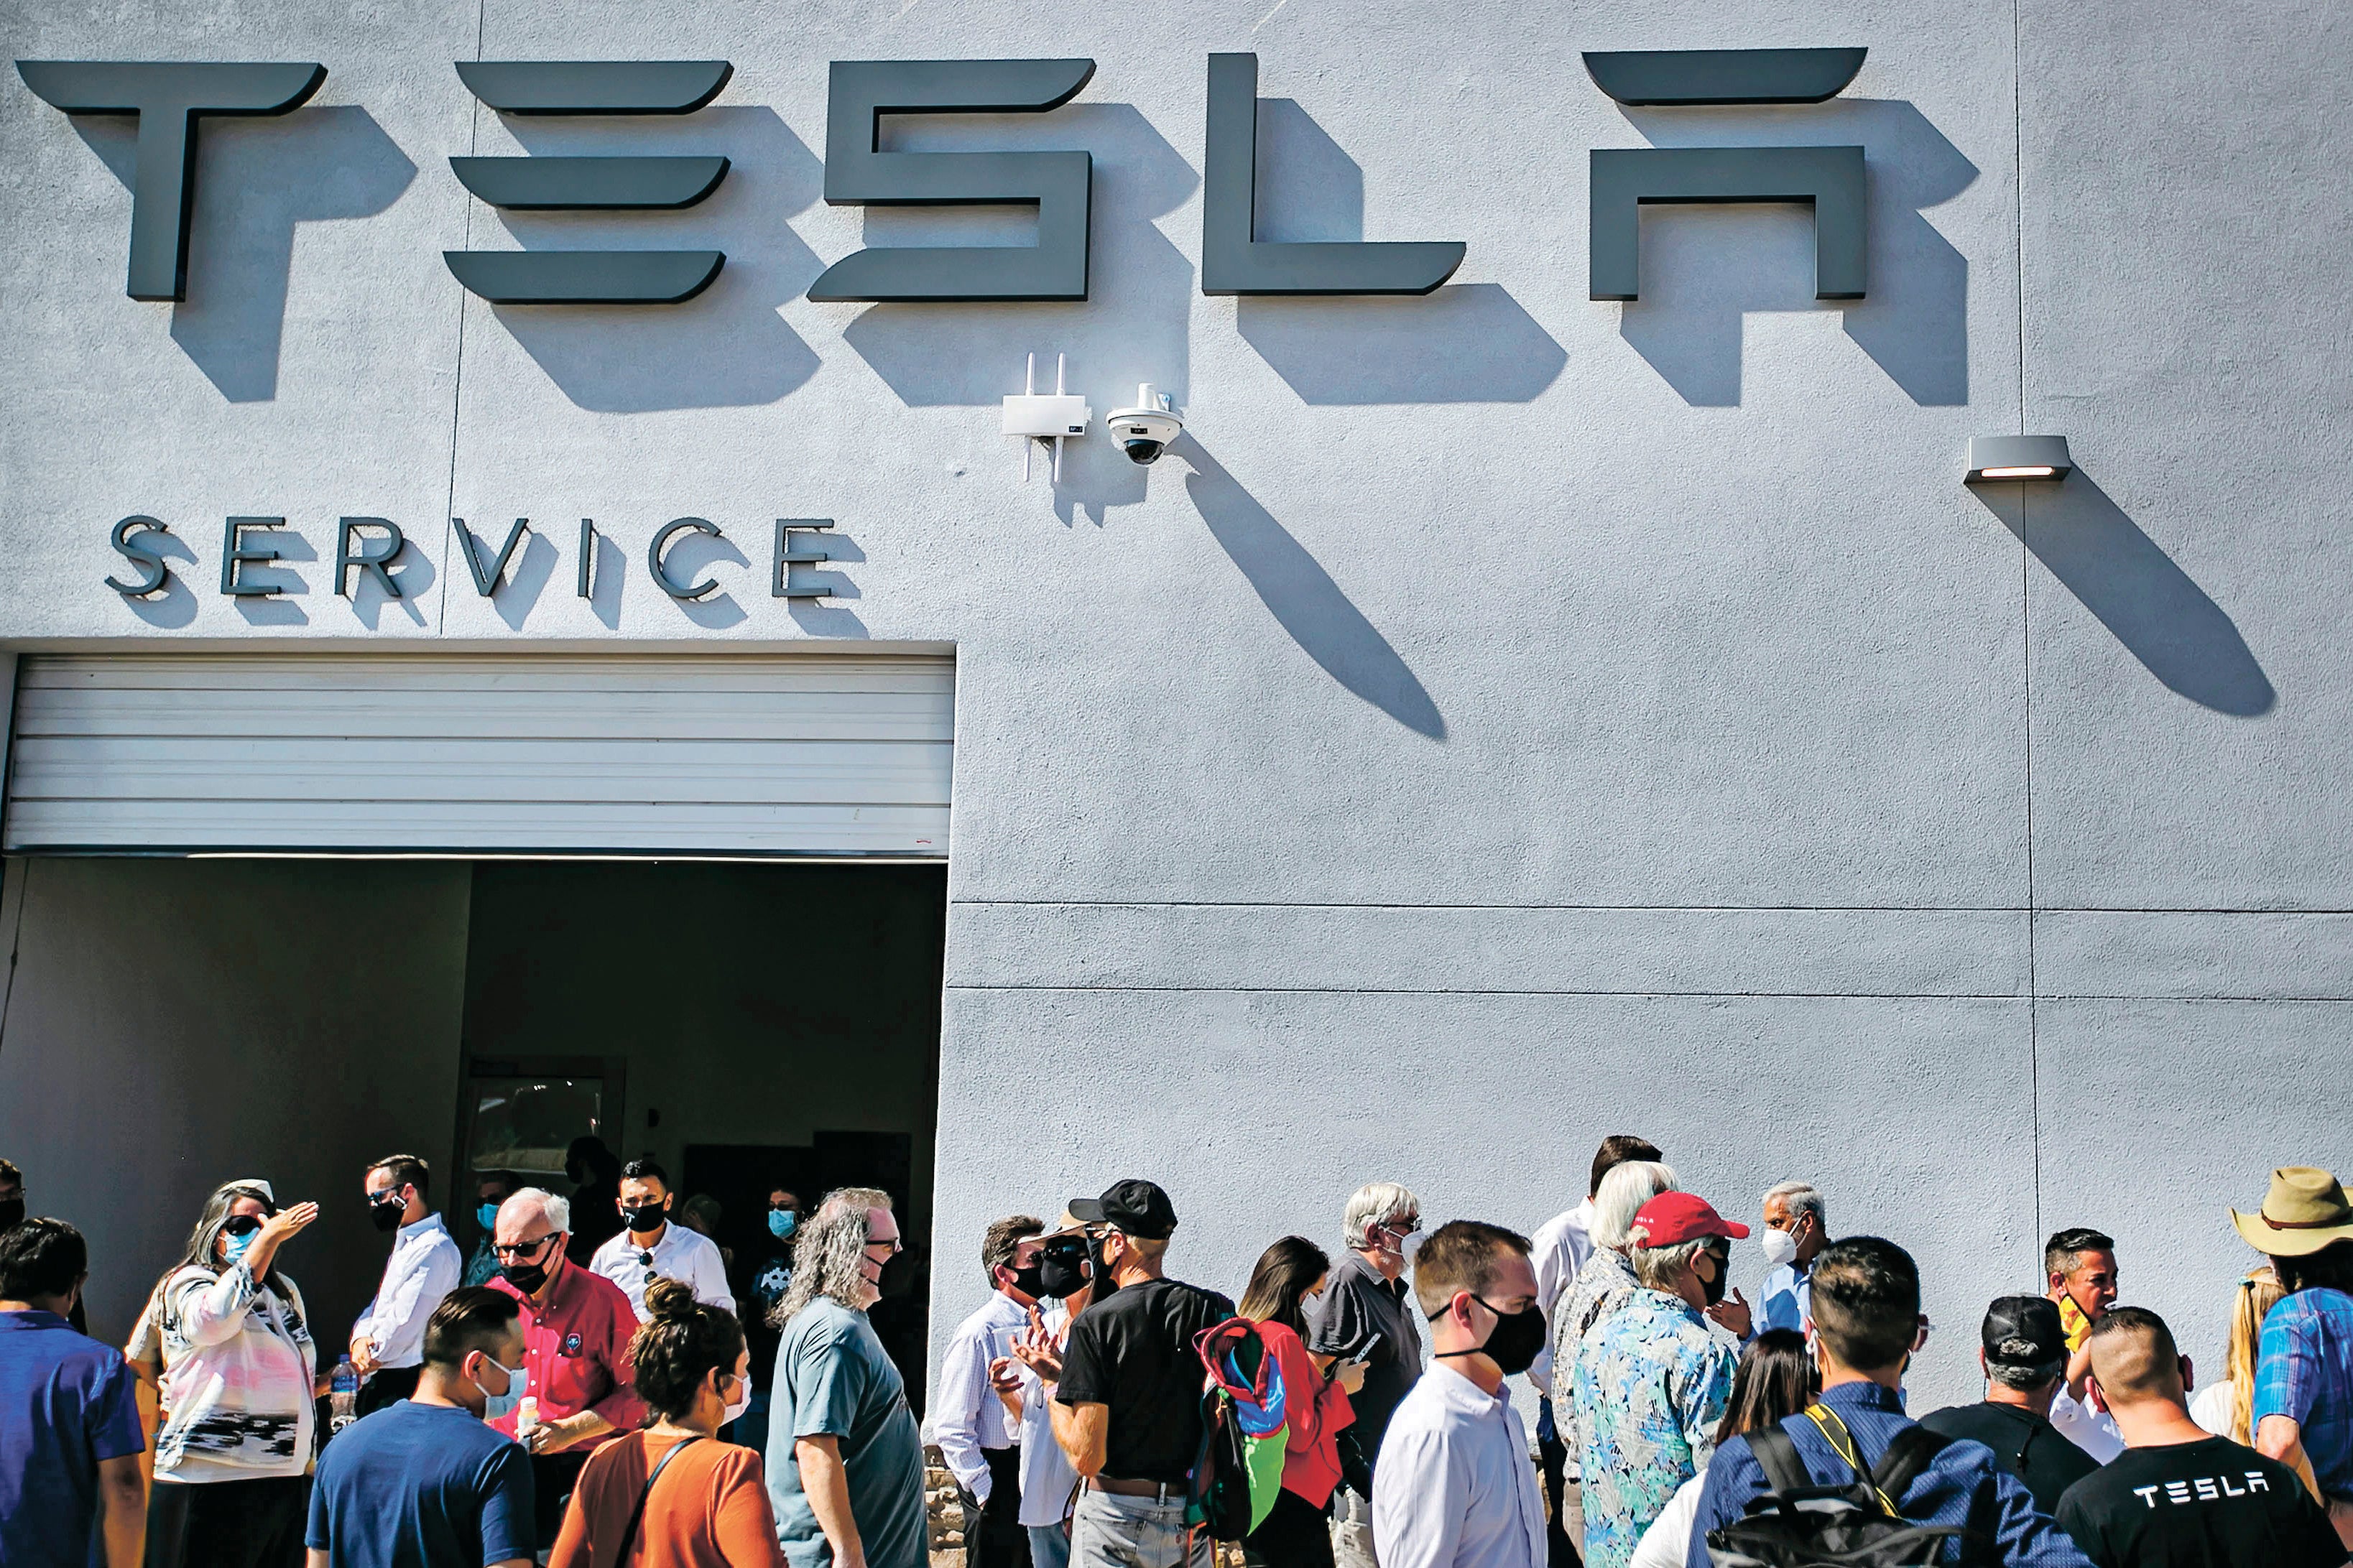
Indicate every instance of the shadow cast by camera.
{"type": "Point", "coordinates": [2133, 587]}
{"type": "Point", "coordinates": [257, 179]}
{"type": "Point", "coordinates": [1303, 597]}
{"type": "Point", "coordinates": [1705, 266]}
{"type": "Point", "coordinates": [725, 348]}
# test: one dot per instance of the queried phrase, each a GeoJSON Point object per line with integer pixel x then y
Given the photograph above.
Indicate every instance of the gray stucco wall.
{"type": "Point", "coordinates": [1512, 718]}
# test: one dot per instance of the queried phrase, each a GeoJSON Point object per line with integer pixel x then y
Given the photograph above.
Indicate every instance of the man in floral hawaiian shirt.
{"type": "Point", "coordinates": [1650, 1382]}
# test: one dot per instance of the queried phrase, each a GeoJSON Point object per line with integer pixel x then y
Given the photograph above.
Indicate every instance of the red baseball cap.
{"type": "Point", "coordinates": [1673, 1217]}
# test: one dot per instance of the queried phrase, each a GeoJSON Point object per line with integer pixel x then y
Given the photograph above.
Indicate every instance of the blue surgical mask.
{"type": "Point", "coordinates": [235, 1247]}
{"type": "Point", "coordinates": [487, 1215]}
{"type": "Point", "coordinates": [496, 1405]}
{"type": "Point", "coordinates": [781, 1222]}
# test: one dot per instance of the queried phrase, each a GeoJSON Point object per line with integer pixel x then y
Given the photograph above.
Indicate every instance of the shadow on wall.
{"type": "Point", "coordinates": [1133, 330]}
{"type": "Point", "coordinates": [1467, 343]}
{"type": "Point", "coordinates": [725, 348]}
{"type": "Point", "coordinates": [1702, 271]}
{"type": "Point", "coordinates": [2120, 574]}
{"type": "Point", "coordinates": [256, 179]}
{"type": "Point", "coordinates": [1303, 597]}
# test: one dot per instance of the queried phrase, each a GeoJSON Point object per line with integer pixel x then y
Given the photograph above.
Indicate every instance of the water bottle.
{"type": "Point", "coordinates": [526, 1417]}
{"type": "Point", "coordinates": [342, 1396]}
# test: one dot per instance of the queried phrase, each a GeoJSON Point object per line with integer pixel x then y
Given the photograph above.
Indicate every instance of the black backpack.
{"type": "Point", "coordinates": [1855, 1524]}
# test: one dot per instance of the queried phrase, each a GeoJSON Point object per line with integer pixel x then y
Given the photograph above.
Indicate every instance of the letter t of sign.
{"type": "Point", "coordinates": [168, 98]}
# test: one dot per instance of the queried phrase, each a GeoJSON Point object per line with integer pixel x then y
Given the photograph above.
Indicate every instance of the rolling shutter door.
{"type": "Point", "coordinates": [713, 754]}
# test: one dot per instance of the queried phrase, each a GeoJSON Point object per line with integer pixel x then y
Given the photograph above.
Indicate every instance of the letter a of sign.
{"type": "Point", "coordinates": [1623, 180]}
{"type": "Point", "coordinates": [610, 184]}
{"type": "Point", "coordinates": [858, 173]}
{"type": "Point", "coordinates": [169, 97]}
{"type": "Point", "coordinates": [1234, 260]}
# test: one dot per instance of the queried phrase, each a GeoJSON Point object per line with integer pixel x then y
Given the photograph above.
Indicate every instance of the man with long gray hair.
{"type": "Point", "coordinates": [846, 1463]}
{"type": "Point", "coordinates": [1365, 1305]}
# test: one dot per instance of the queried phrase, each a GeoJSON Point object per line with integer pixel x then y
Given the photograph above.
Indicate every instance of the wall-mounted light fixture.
{"type": "Point", "coordinates": [1999, 457]}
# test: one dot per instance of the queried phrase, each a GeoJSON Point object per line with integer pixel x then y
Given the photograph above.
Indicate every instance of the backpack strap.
{"type": "Point", "coordinates": [1911, 1452]}
{"type": "Point", "coordinates": [1785, 1470]}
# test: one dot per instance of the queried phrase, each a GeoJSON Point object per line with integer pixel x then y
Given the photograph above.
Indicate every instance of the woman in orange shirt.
{"type": "Point", "coordinates": [1315, 1408]}
{"type": "Point", "coordinates": [675, 1496]}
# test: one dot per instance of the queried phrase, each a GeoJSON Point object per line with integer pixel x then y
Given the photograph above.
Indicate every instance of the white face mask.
{"type": "Point", "coordinates": [741, 1403]}
{"type": "Point", "coordinates": [496, 1405]}
{"type": "Point", "coordinates": [1779, 1247]}
{"type": "Point", "coordinates": [1411, 1245]}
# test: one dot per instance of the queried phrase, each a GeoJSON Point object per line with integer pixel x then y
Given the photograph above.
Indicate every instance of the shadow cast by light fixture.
{"type": "Point", "coordinates": [2133, 587]}
{"type": "Point", "coordinates": [725, 348]}
{"type": "Point", "coordinates": [257, 180]}
{"type": "Point", "coordinates": [1303, 597]}
{"type": "Point", "coordinates": [1703, 270]}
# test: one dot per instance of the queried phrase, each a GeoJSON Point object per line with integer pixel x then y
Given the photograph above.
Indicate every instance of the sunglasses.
{"type": "Point", "coordinates": [523, 1248]}
{"type": "Point", "coordinates": [242, 1224]}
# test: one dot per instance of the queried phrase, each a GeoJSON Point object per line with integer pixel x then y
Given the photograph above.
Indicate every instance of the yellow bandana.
{"type": "Point", "coordinates": [2077, 1326]}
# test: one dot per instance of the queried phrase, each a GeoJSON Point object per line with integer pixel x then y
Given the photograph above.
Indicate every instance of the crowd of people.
{"type": "Point", "coordinates": [592, 1390]}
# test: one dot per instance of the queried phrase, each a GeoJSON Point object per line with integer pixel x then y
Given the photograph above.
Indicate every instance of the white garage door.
{"type": "Point", "coordinates": [715, 755]}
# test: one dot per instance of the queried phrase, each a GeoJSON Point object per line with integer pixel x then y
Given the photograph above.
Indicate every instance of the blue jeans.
{"type": "Point", "coordinates": [1108, 1531]}
{"type": "Point", "coordinates": [1048, 1547]}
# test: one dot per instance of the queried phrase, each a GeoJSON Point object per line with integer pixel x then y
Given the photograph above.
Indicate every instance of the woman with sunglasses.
{"type": "Point", "coordinates": [239, 1378]}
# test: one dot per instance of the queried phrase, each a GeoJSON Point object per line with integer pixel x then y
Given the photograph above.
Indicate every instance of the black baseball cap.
{"type": "Point", "coordinates": [2024, 1331]}
{"type": "Point", "coordinates": [1137, 1208]}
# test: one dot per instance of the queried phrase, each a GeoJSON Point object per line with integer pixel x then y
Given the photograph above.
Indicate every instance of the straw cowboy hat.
{"type": "Point", "coordinates": [2305, 1211]}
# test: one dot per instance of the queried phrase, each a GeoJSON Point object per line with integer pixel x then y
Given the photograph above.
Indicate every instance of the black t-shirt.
{"type": "Point", "coordinates": [2023, 1443]}
{"type": "Point", "coordinates": [1132, 1351]}
{"type": "Point", "coordinates": [2192, 1505]}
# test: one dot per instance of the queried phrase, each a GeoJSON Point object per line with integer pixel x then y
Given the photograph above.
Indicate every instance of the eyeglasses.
{"type": "Point", "coordinates": [522, 1250]}
{"type": "Point", "coordinates": [647, 1260]}
{"type": "Point", "coordinates": [893, 1243]}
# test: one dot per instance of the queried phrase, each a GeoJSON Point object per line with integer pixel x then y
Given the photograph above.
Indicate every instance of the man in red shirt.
{"type": "Point", "coordinates": [575, 1332]}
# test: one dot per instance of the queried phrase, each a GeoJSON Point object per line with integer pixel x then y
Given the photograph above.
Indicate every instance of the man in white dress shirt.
{"type": "Point", "coordinates": [650, 1247]}
{"type": "Point", "coordinates": [388, 1342]}
{"type": "Point", "coordinates": [979, 1440]}
{"type": "Point", "coordinates": [1453, 1488]}
{"type": "Point", "coordinates": [1559, 1249]}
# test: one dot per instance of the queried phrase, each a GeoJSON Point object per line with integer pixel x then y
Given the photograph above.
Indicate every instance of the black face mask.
{"type": "Point", "coordinates": [645, 1218]}
{"type": "Point", "coordinates": [1030, 1281]}
{"type": "Point", "coordinates": [1061, 1268]}
{"type": "Point", "coordinates": [11, 1214]}
{"type": "Point", "coordinates": [1714, 1288]}
{"type": "Point", "coordinates": [526, 1277]}
{"type": "Point", "coordinates": [386, 1216]}
{"type": "Point", "coordinates": [1513, 1343]}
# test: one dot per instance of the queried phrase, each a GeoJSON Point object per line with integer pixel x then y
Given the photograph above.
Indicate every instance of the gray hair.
{"type": "Point", "coordinates": [1660, 1268]}
{"type": "Point", "coordinates": [1374, 1204]}
{"type": "Point", "coordinates": [1801, 1198]}
{"type": "Point", "coordinates": [558, 1210]}
{"type": "Point", "coordinates": [2028, 1378]}
{"type": "Point", "coordinates": [1627, 1187]}
{"type": "Point", "coordinates": [826, 1252]}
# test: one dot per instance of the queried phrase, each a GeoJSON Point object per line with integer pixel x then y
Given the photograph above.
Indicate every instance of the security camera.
{"type": "Point", "coordinates": [1145, 431]}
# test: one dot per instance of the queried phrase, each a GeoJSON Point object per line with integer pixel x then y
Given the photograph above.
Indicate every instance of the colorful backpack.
{"type": "Point", "coordinates": [1244, 1431]}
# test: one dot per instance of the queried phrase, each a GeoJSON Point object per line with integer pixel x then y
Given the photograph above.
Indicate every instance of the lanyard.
{"type": "Point", "coordinates": [1834, 1432]}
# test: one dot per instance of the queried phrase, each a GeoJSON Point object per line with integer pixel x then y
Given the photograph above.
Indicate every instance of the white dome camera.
{"type": "Point", "coordinates": [1145, 431]}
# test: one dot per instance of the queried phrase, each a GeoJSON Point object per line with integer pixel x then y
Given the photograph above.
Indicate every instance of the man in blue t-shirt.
{"type": "Point", "coordinates": [425, 1483]}
{"type": "Point", "coordinates": [69, 1437]}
